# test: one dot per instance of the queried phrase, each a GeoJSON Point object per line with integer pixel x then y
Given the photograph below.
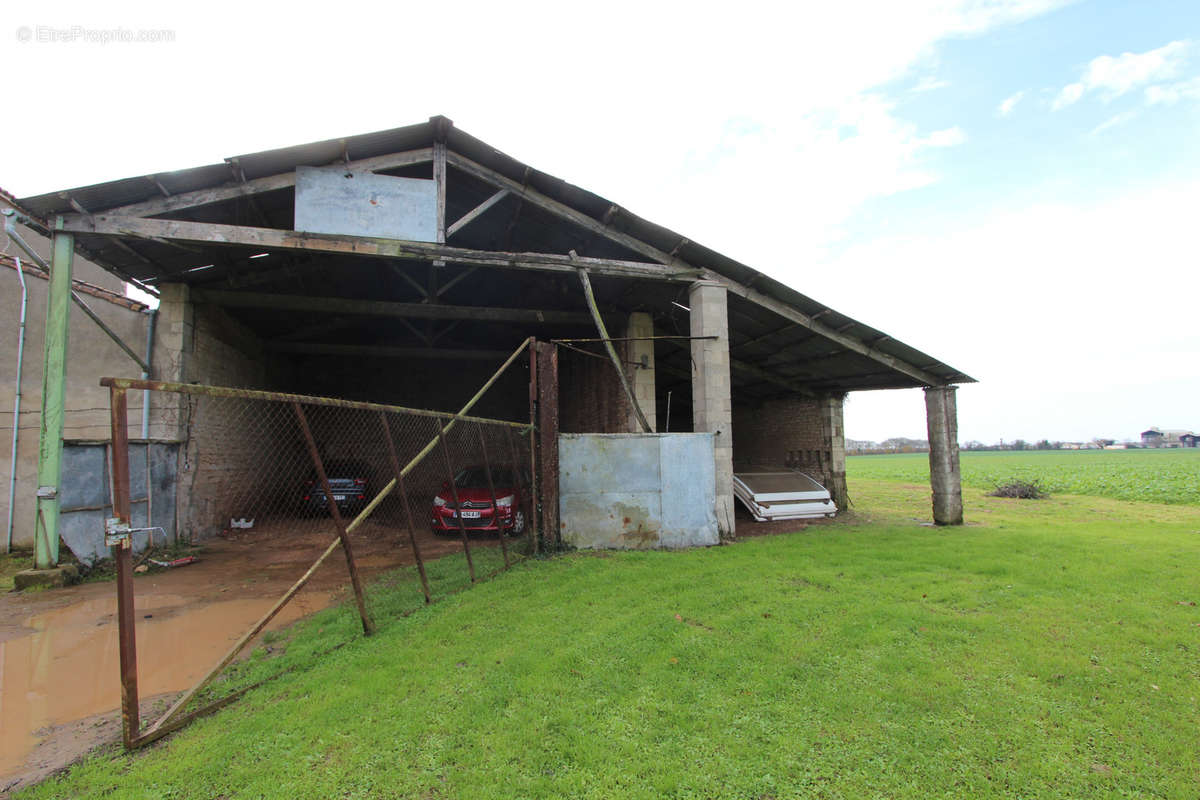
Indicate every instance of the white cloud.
{"type": "Point", "coordinates": [1171, 93]}
{"type": "Point", "coordinates": [1114, 121]}
{"type": "Point", "coordinates": [1042, 306]}
{"type": "Point", "coordinates": [1010, 102]}
{"type": "Point", "coordinates": [1114, 76]}
{"type": "Point", "coordinates": [929, 84]}
{"type": "Point", "coordinates": [947, 137]}
{"type": "Point", "coordinates": [1069, 94]}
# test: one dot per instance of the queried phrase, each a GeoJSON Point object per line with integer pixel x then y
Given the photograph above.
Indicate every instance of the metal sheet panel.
{"type": "Point", "coordinates": [637, 491]}
{"type": "Point", "coordinates": [86, 496]}
{"type": "Point", "coordinates": [365, 204]}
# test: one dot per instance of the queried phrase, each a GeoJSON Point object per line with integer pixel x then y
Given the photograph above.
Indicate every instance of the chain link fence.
{"type": "Point", "coordinates": [451, 495]}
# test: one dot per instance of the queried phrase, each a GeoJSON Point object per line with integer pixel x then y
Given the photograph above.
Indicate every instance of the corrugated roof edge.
{"type": "Point", "coordinates": [140, 188]}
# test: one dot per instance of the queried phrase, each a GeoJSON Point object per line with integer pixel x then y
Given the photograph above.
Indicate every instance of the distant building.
{"type": "Point", "coordinates": [1154, 437]}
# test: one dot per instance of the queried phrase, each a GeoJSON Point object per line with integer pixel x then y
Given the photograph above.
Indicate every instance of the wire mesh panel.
{"type": "Point", "coordinates": [441, 499]}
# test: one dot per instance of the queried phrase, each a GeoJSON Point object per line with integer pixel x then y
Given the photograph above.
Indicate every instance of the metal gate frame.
{"type": "Point", "coordinates": [118, 529]}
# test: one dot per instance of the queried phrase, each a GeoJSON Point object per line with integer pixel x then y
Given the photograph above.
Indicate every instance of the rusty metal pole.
{"type": "Point", "coordinates": [336, 514]}
{"type": "Point", "coordinates": [516, 462]}
{"type": "Point", "coordinates": [462, 528]}
{"type": "Point", "coordinates": [548, 436]}
{"type": "Point", "coordinates": [487, 468]}
{"type": "Point", "coordinates": [534, 525]}
{"type": "Point", "coordinates": [123, 555]}
{"type": "Point", "coordinates": [412, 530]}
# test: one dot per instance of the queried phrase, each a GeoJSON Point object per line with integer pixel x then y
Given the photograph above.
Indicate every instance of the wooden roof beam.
{"type": "Point", "coordinates": [383, 308]}
{"type": "Point", "coordinates": [272, 238]}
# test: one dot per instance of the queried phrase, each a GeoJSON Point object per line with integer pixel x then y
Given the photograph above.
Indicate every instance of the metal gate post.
{"type": "Point", "coordinates": [351, 564]}
{"type": "Point", "coordinates": [412, 530]}
{"type": "Point", "coordinates": [122, 553]}
{"type": "Point", "coordinates": [547, 388]}
{"type": "Point", "coordinates": [487, 468]}
{"type": "Point", "coordinates": [462, 527]}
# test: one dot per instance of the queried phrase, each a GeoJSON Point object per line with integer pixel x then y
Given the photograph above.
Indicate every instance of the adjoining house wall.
{"type": "Point", "coordinates": [91, 355]}
{"type": "Point", "coordinates": [796, 432]}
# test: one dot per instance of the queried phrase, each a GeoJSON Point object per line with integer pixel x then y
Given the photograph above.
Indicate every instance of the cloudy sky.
{"type": "Point", "coordinates": [1012, 186]}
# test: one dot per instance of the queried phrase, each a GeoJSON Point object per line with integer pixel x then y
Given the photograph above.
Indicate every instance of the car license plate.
{"type": "Point", "coordinates": [339, 497]}
{"type": "Point", "coordinates": [470, 515]}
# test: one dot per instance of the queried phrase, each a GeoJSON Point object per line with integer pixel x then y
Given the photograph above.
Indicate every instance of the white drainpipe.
{"type": "Point", "coordinates": [16, 415]}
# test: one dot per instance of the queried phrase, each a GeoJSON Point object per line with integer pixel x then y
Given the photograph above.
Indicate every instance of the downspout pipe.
{"type": "Point", "coordinates": [150, 326]}
{"type": "Point", "coordinates": [16, 413]}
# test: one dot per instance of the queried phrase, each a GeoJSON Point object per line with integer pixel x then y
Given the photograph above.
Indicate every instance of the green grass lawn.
{"type": "Point", "coordinates": [1158, 476]}
{"type": "Point", "coordinates": [1047, 649]}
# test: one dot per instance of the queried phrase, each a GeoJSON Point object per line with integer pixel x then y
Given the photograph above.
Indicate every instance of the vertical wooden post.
{"type": "Point", "coordinates": [548, 439]}
{"type": "Point", "coordinates": [462, 527]}
{"type": "Point", "coordinates": [412, 530]}
{"type": "Point", "coordinates": [123, 555]}
{"type": "Point", "coordinates": [336, 514]}
{"type": "Point", "coordinates": [439, 177]}
{"type": "Point", "coordinates": [54, 398]}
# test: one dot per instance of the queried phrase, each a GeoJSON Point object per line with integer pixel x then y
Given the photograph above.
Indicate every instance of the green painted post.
{"type": "Point", "coordinates": [54, 396]}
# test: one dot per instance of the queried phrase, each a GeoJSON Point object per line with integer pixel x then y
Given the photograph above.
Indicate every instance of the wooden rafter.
{"type": "Point", "coordinates": [475, 213]}
{"type": "Point", "coordinates": [636, 245]}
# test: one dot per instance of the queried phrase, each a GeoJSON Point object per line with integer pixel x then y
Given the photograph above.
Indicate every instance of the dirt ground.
{"type": "Point", "coordinates": [59, 689]}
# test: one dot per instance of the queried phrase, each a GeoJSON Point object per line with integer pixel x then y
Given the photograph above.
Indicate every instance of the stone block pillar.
{"type": "Point", "coordinates": [941, 414]}
{"type": "Point", "coordinates": [640, 368]}
{"type": "Point", "coordinates": [835, 434]}
{"type": "Point", "coordinates": [173, 344]}
{"type": "Point", "coordinates": [711, 405]}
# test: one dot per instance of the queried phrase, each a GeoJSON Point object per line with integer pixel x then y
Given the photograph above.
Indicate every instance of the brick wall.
{"type": "Point", "coordinates": [590, 397]}
{"type": "Point", "coordinates": [796, 432]}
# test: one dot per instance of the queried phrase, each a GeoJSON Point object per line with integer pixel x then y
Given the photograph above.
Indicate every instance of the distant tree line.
{"type": "Point", "coordinates": [900, 444]}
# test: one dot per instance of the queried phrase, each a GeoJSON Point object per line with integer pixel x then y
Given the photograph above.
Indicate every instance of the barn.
{"type": "Point", "coordinates": [402, 267]}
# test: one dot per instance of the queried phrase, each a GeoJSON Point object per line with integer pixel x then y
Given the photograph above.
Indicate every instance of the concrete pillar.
{"type": "Point", "coordinates": [173, 344]}
{"type": "Point", "coordinates": [711, 406]}
{"type": "Point", "coordinates": [941, 414]}
{"type": "Point", "coordinates": [835, 437]}
{"type": "Point", "coordinates": [641, 369]}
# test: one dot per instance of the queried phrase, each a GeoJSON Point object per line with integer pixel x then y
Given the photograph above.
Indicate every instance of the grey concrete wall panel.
{"type": "Point", "coordinates": [637, 491]}
{"type": "Point", "coordinates": [331, 200]}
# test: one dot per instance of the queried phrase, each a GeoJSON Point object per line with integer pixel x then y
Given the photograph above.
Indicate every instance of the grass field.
{"type": "Point", "coordinates": [1048, 649]}
{"type": "Point", "coordinates": [1158, 476]}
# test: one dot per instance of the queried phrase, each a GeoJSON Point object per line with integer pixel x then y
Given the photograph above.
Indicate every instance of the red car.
{"type": "Point", "coordinates": [478, 514]}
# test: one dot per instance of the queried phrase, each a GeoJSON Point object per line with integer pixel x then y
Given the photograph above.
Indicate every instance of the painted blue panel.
{"type": "Point", "coordinates": [331, 200]}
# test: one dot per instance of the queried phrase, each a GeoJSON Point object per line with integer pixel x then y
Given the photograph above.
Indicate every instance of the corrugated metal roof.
{"type": "Point", "coordinates": [100, 197]}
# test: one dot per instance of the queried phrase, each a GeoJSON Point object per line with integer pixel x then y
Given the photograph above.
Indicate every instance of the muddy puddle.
{"type": "Point", "coordinates": [63, 665]}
